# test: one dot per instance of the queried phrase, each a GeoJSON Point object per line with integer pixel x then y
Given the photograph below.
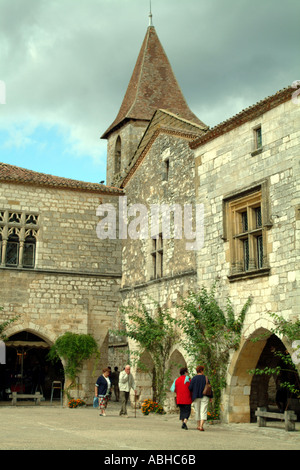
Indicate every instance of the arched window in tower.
{"type": "Point", "coordinates": [118, 156]}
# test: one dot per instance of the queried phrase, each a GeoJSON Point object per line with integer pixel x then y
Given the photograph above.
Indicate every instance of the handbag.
{"type": "Point", "coordinates": [95, 402]}
{"type": "Point", "coordinates": [207, 391]}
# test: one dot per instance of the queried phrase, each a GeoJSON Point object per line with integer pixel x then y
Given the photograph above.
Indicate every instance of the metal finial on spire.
{"type": "Point", "coordinates": [150, 16]}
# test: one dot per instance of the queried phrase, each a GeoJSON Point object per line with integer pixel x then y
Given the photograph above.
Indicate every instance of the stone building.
{"type": "Point", "coordinates": [149, 157]}
{"type": "Point", "coordinates": [245, 173]}
{"type": "Point", "coordinates": [248, 179]}
{"type": "Point", "coordinates": [168, 172]}
{"type": "Point", "coordinates": [55, 273]}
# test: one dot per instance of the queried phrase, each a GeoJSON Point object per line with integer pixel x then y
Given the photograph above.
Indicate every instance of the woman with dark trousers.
{"type": "Point", "coordinates": [183, 396]}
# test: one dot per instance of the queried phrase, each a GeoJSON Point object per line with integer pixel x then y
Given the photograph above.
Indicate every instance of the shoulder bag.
{"type": "Point", "coordinates": [207, 391]}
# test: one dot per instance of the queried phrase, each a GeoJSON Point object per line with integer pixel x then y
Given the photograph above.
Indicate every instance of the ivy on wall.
{"type": "Point", "coordinates": [74, 349]}
{"type": "Point", "coordinates": [153, 331]}
{"type": "Point", "coordinates": [210, 333]}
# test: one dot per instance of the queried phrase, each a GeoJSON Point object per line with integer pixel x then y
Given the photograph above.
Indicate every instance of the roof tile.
{"type": "Point", "coordinates": [15, 174]}
{"type": "Point", "coordinates": [152, 86]}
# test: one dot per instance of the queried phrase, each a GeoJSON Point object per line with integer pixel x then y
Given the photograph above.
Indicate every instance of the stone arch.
{"type": "Point", "coordinates": [264, 388]}
{"type": "Point", "coordinates": [237, 406]}
{"type": "Point", "coordinates": [176, 361]}
{"type": "Point", "coordinates": [239, 403]}
{"type": "Point", "coordinates": [47, 336]}
{"type": "Point", "coordinates": [27, 367]}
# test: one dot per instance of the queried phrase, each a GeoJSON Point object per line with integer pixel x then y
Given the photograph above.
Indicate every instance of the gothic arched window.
{"type": "Point", "coordinates": [18, 239]}
{"type": "Point", "coordinates": [29, 249]}
{"type": "Point", "coordinates": [12, 249]}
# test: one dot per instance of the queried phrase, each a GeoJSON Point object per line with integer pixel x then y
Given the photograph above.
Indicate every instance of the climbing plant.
{"type": "Point", "coordinates": [5, 324]}
{"type": "Point", "coordinates": [74, 349]}
{"type": "Point", "coordinates": [210, 332]}
{"type": "Point", "coordinates": [155, 332]}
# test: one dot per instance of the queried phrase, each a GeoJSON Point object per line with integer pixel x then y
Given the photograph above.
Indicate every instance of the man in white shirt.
{"type": "Point", "coordinates": [126, 382]}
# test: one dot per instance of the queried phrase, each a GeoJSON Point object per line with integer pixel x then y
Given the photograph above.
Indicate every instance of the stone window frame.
{"type": "Point", "coordinates": [244, 240]}
{"type": "Point", "coordinates": [257, 140]}
{"type": "Point", "coordinates": [117, 155]}
{"type": "Point", "coordinates": [18, 235]}
{"type": "Point", "coordinates": [157, 256]}
{"type": "Point", "coordinates": [166, 167]}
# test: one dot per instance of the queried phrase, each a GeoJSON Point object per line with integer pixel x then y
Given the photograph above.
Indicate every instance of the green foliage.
{"type": "Point", "coordinates": [74, 349]}
{"type": "Point", "coordinates": [153, 332]}
{"type": "Point", "coordinates": [287, 328]}
{"type": "Point", "coordinates": [5, 324]}
{"type": "Point", "coordinates": [209, 334]}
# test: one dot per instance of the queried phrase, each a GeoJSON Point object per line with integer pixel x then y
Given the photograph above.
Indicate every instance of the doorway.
{"type": "Point", "coordinates": [27, 369]}
{"type": "Point", "coordinates": [267, 390]}
{"type": "Point", "coordinates": [245, 391]}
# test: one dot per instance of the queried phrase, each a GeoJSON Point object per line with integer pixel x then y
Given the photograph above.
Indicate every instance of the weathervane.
{"type": "Point", "coordinates": [150, 16]}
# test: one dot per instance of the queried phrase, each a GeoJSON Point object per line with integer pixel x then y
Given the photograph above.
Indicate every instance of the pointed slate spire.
{"type": "Point", "coordinates": [152, 86]}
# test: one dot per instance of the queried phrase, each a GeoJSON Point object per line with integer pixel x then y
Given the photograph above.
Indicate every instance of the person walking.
{"type": "Point", "coordinates": [102, 388]}
{"type": "Point", "coordinates": [126, 382]}
{"type": "Point", "coordinates": [200, 401]}
{"type": "Point", "coordinates": [115, 383]}
{"type": "Point", "coordinates": [183, 396]}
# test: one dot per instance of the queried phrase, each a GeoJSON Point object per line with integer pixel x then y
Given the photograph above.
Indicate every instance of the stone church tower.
{"type": "Point", "coordinates": [152, 86]}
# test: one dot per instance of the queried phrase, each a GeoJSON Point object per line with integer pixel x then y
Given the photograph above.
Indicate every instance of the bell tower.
{"type": "Point", "coordinates": [152, 86]}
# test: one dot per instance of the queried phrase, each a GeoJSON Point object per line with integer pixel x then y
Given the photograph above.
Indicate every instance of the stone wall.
{"type": "Point", "coordinates": [156, 183]}
{"type": "Point", "coordinates": [228, 165]}
{"type": "Point", "coordinates": [151, 186]}
{"type": "Point", "coordinates": [75, 283]}
{"type": "Point", "coordinates": [130, 136]}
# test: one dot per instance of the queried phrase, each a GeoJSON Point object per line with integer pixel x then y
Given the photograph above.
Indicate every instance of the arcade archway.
{"type": "Point", "coordinates": [266, 390]}
{"type": "Point", "coordinates": [246, 391]}
{"type": "Point", "coordinates": [27, 368]}
{"type": "Point", "coordinates": [176, 361]}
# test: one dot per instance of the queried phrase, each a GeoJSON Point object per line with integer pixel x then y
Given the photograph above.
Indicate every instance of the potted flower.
{"type": "Point", "coordinates": [75, 403]}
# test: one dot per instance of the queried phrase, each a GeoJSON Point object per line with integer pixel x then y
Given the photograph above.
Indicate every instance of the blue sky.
{"type": "Point", "coordinates": [49, 150]}
{"type": "Point", "coordinates": [66, 65]}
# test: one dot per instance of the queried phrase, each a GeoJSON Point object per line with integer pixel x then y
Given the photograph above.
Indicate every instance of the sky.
{"type": "Point", "coordinates": [65, 66]}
